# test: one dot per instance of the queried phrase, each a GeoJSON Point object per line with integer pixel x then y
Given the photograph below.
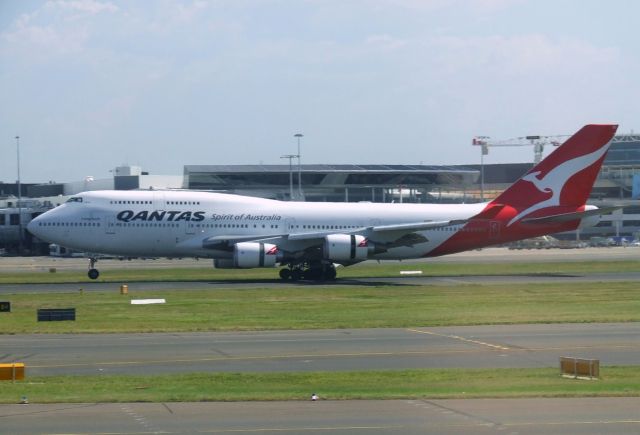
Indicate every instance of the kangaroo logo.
{"type": "Point", "coordinates": [554, 181]}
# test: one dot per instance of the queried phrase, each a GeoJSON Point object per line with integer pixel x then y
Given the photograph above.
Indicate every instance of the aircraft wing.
{"type": "Point", "coordinates": [379, 229]}
{"type": "Point", "coordinates": [417, 226]}
{"type": "Point", "coordinates": [385, 236]}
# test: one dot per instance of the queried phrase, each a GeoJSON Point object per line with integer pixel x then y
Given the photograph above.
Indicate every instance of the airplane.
{"type": "Point", "coordinates": [311, 239]}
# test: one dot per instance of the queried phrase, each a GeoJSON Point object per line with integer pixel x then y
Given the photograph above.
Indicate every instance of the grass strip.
{"type": "Point", "coordinates": [404, 384]}
{"type": "Point", "coordinates": [40, 276]}
{"type": "Point", "coordinates": [327, 307]}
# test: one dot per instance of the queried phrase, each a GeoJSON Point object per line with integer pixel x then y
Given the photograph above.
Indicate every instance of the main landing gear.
{"type": "Point", "coordinates": [93, 272]}
{"type": "Point", "coordinates": [311, 272]}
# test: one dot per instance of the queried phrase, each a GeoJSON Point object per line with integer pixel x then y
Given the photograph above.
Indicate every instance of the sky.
{"type": "Point", "coordinates": [89, 85]}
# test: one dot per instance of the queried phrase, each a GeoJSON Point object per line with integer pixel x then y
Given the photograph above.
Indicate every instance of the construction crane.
{"type": "Point", "coordinates": [538, 143]}
{"type": "Point", "coordinates": [629, 137]}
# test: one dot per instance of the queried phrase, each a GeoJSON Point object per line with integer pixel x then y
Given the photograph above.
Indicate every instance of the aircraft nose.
{"type": "Point", "coordinates": [33, 226]}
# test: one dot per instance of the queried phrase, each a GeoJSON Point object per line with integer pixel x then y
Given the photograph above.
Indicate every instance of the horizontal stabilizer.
{"type": "Point", "coordinates": [567, 217]}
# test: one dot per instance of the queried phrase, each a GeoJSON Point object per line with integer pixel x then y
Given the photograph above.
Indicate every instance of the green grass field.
{"type": "Point", "coordinates": [402, 384]}
{"type": "Point", "coordinates": [320, 307]}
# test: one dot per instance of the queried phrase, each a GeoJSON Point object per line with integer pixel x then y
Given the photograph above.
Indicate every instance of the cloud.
{"type": "Point", "coordinates": [57, 28]}
{"type": "Point", "coordinates": [386, 42]}
{"type": "Point", "coordinates": [519, 54]}
{"type": "Point", "coordinates": [439, 5]}
{"type": "Point", "coordinates": [86, 7]}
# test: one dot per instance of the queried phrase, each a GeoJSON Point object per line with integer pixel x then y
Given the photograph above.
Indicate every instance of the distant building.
{"type": "Point", "coordinates": [336, 183]}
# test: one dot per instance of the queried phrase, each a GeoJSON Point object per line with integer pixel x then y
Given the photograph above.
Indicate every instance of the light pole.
{"type": "Point", "coordinates": [298, 136]}
{"type": "Point", "coordinates": [484, 150]}
{"type": "Point", "coordinates": [19, 198]}
{"type": "Point", "coordinates": [290, 157]}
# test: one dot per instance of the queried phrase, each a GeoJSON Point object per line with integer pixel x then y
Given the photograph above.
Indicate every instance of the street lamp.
{"type": "Point", "coordinates": [298, 136]}
{"type": "Point", "coordinates": [19, 198]}
{"type": "Point", "coordinates": [290, 157]}
{"type": "Point", "coordinates": [484, 150]}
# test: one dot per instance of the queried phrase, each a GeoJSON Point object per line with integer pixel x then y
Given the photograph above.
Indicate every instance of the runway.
{"type": "Point", "coordinates": [443, 417]}
{"type": "Point", "coordinates": [324, 350]}
{"type": "Point", "coordinates": [489, 255]}
{"type": "Point", "coordinates": [277, 283]}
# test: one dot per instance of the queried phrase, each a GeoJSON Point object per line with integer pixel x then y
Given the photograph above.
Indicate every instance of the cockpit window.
{"type": "Point", "coordinates": [75, 199]}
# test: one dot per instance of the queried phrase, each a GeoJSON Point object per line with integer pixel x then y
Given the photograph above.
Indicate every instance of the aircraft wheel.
{"type": "Point", "coordinates": [296, 275]}
{"type": "Point", "coordinates": [93, 273]}
{"type": "Point", "coordinates": [312, 274]}
{"type": "Point", "coordinates": [330, 273]}
{"type": "Point", "coordinates": [285, 274]}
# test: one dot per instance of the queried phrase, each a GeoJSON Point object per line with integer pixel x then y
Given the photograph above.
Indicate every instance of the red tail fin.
{"type": "Point", "coordinates": [562, 180]}
{"type": "Point", "coordinates": [550, 198]}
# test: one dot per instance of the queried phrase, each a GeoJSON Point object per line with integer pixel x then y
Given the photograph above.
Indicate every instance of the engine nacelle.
{"type": "Point", "coordinates": [345, 247]}
{"type": "Point", "coordinates": [252, 254]}
{"type": "Point", "coordinates": [247, 255]}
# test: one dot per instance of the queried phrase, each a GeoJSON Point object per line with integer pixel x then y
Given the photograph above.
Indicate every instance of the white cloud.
{"type": "Point", "coordinates": [90, 7]}
{"type": "Point", "coordinates": [520, 54]}
{"type": "Point", "coordinates": [57, 28]}
{"type": "Point", "coordinates": [439, 5]}
{"type": "Point", "coordinates": [386, 42]}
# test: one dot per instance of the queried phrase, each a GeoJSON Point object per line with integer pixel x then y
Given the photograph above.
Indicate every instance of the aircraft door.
{"type": "Point", "coordinates": [110, 225]}
{"type": "Point", "coordinates": [189, 228]}
{"type": "Point", "coordinates": [158, 201]}
{"type": "Point", "coordinates": [290, 225]}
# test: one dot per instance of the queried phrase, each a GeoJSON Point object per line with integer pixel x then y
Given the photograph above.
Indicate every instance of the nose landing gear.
{"type": "Point", "coordinates": [93, 272]}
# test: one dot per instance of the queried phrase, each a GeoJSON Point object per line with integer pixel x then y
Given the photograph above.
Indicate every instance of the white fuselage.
{"type": "Point", "coordinates": [175, 223]}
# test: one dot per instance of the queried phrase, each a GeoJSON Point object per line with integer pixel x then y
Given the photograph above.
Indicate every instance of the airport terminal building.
{"type": "Point", "coordinates": [618, 183]}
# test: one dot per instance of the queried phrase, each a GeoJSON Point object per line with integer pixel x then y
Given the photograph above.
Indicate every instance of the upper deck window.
{"type": "Point", "coordinates": [75, 199]}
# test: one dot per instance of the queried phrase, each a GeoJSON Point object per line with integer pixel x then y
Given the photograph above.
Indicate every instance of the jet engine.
{"type": "Point", "coordinates": [247, 255]}
{"type": "Point", "coordinates": [345, 247]}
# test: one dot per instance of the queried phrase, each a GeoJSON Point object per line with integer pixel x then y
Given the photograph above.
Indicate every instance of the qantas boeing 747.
{"type": "Point", "coordinates": [309, 239]}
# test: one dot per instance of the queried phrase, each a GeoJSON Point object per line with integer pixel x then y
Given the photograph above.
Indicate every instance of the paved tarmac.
{"type": "Point", "coordinates": [486, 255]}
{"type": "Point", "coordinates": [276, 351]}
{"type": "Point", "coordinates": [323, 350]}
{"type": "Point", "coordinates": [277, 283]}
{"type": "Point", "coordinates": [503, 255]}
{"type": "Point", "coordinates": [447, 417]}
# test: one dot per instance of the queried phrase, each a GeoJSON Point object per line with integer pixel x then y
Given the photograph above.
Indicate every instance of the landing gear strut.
{"type": "Point", "coordinates": [311, 272]}
{"type": "Point", "coordinates": [93, 272]}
